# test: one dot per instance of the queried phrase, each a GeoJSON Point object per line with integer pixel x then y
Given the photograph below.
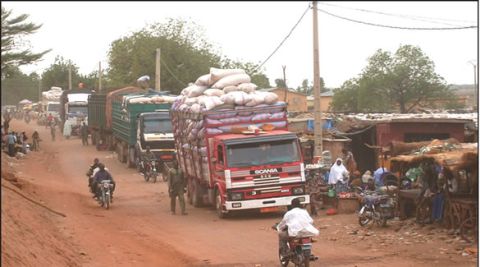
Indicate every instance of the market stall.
{"type": "Point", "coordinates": [449, 172]}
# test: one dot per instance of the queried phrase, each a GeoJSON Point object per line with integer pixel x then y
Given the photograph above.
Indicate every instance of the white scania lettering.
{"type": "Point", "coordinates": [266, 171]}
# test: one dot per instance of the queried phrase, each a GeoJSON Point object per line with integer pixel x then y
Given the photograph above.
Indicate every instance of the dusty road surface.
{"type": "Point", "coordinates": [139, 230]}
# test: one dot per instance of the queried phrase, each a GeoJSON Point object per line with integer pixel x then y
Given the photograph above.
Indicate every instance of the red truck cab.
{"type": "Point", "coordinates": [259, 171]}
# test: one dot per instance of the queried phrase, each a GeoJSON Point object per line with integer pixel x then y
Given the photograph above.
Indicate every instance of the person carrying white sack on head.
{"type": "Point", "coordinates": [337, 174]}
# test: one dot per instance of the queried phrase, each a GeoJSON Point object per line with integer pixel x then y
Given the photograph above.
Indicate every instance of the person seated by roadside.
{"type": "Point", "coordinates": [356, 179]}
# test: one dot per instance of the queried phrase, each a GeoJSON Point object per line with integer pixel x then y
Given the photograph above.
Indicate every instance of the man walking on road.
{"type": "Point", "coordinates": [176, 187]}
{"type": "Point", "coordinates": [84, 133]}
{"type": "Point", "coordinates": [52, 130]}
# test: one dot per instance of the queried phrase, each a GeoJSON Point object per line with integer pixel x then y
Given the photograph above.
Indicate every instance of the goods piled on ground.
{"type": "Point", "coordinates": [224, 101]}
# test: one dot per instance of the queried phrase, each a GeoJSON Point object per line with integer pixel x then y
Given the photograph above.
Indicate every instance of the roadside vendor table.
{"type": "Point", "coordinates": [405, 196]}
{"type": "Point", "coordinates": [347, 205]}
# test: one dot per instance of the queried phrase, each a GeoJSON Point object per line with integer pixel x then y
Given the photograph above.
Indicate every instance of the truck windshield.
{"type": "Point", "coordinates": [255, 154]}
{"type": "Point", "coordinates": [157, 126]}
{"type": "Point", "coordinates": [78, 109]}
{"type": "Point", "coordinates": [53, 107]}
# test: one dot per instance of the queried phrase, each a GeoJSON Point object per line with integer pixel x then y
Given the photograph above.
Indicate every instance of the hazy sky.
{"type": "Point", "coordinates": [250, 31]}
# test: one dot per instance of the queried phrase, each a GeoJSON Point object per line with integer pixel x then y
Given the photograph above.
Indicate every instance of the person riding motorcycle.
{"type": "Point", "coordinates": [295, 223]}
{"type": "Point", "coordinates": [90, 174]}
{"type": "Point", "coordinates": [101, 175]}
{"type": "Point", "coordinates": [146, 158]}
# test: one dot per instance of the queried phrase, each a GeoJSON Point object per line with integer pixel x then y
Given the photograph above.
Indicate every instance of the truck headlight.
{"type": "Point", "coordinates": [236, 196]}
{"type": "Point", "coordinates": [297, 190]}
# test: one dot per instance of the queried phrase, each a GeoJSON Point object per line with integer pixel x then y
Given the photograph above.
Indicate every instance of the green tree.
{"type": "Point", "coordinates": [307, 87]}
{"type": "Point", "coordinates": [18, 86]}
{"type": "Point", "coordinates": [14, 52]}
{"type": "Point", "coordinates": [280, 83]}
{"type": "Point", "coordinates": [405, 80]}
{"type": "Point", "coordinates": [345, 98]}
{"type": "Point", "coordinates": [186, 54]}
{"type": "Point", "coordinates": [57, 74]}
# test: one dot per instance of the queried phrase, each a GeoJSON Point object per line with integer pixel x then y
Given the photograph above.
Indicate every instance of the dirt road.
{"type": "Point", "coordinates": [139, 230]}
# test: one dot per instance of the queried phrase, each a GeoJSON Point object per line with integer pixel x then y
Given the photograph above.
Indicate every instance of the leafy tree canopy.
{"type": "Point", "coordinates": [185, 55]}
{"type": "Point", "coordinates": [15, 51]}
{"type": "Point", "coordinates": [403, 81]}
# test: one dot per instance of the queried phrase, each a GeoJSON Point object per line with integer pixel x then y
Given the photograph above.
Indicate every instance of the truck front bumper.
{"type": "Point", "coordinates": [265, 202]}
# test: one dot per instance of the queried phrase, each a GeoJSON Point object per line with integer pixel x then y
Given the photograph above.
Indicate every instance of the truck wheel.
{"type": "Point", "coordinates": [219, 206]}
{"type": "Point", "coordinates": [119, 152]}
{"type": "Point", "coordinates": [197, 196]}
{"type": "Point", "coordinates": [189, 192]}
{"type": "Point", "coordinates": [131, 158]}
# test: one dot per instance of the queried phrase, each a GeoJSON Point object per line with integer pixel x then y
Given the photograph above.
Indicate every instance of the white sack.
{"type": "Point", "coordinates": [203, 80]}
{"type": "Point", "coordinates": [247, 87]}
{"type": "Point", "coordinates": [217, 74]}
{"type": "Point", "coordinates": [195, 90]}
{"type": "Point", "coordinates": [234, 79]}
{"type": "Point", "coordinates": [230, 88]}
{"type": "Point", "coordinates": [213, 92]}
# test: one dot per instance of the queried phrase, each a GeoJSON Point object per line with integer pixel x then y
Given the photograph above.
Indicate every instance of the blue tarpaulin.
{"type": "Point", "coordinates": [326, 125]}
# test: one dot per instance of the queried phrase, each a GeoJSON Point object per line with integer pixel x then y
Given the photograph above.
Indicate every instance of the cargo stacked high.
{"type": "Point", "coordinates": [130, 119]}
{"type": "Point", "coordinates": [233, 144]}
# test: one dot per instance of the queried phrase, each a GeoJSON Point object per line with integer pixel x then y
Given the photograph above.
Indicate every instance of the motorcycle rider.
{"type": "Point", "coordinates": [90, 174]}
{"type": "Point", "coordinates": [100, 176]}
{"type": "Point", "coordinates": [296, 222]}
{"type": "Point", "coordinates": [147, 157]}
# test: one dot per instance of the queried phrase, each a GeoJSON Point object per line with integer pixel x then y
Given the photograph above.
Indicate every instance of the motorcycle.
{"type": "Point", "coordinates": [375, 208]}
{"type": "Point", "coordinates": [299, 251]}
{"type": "Point", "coordinates": [151, 171]}
{"type": "Point", "coordinates": [105, 199]}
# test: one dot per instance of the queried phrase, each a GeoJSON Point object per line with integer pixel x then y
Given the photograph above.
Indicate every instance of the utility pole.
{"type": "Point", "coordinates": [39, 90]}
{"type": "Point", "coordinates": [99, 76]}
{"type": "Point", "coordinates": [157, 72]}
{"type": "Point", "coordinates": [285, 82]}
{"type": "Point", "coordinates": [316, 88]}
{"type": "Point", "coordinates": [475, 89]}
{"type": "Point", "coordinates": [70, 77]}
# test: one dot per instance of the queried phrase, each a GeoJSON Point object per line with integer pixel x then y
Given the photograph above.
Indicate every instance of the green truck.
{"type": "Point", "coordinates": [128, 120]}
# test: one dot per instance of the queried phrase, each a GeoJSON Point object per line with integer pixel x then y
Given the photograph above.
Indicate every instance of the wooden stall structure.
{"type": "Point", "coordinates": [458, 182]}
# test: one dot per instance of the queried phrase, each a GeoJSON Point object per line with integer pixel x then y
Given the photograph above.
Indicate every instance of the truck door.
{"type": "Point", "coordinates": [219, 156]}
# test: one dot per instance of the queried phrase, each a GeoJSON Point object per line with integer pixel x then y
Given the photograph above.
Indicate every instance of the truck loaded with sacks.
{"type": "Point", "coordinates": [128, 120]}
{"type": "Point", "coordinates": [234, 147]}
{"type": "Point", "coordinates": [50, 101]}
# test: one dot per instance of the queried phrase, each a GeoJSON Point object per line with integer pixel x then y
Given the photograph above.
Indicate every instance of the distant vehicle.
{"type": "Point", "coordinates": [74, 107]}
{"type": "Point", "coordinates": [121, 121]}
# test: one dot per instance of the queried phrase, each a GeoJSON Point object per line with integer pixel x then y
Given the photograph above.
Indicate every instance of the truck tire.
{"type": "Point", "coordinates": [131, 157]}
{"type": "Point", "coordinates": [197, 196]}
{"type": "Point", "coordinates": [189, 192]}
{"type": "Point", "coordinates": [119, 152]}
{"type": "Point", "coordinates": [219, 206]}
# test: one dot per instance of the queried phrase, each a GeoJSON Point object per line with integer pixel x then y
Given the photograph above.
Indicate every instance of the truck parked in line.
{"type": "Point", "coordinates": [74, 108]}
{"type": "Point", "coordinates": [234, 166]}
{"type": "Point", "coordinates": [50, 101]}
{"type": "Point", "coordinates": [128, 120]}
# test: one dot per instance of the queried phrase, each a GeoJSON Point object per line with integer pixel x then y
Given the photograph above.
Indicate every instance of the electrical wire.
{"type": "Point", "coordinates": [397, 27]}
{"type": "Point", "coordinates": [171, 73]}
{"type": "Point", "coordinates": [419, 18]}
{"type": "Point", "coordinates": [283, 41]}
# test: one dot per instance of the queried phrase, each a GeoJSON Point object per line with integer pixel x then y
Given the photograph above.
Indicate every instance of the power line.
{"type": "Point", "coordinates": [419, 18]}
{"type": "Point", "coordinates": [171, 73]}
{"type": "Point", "coordinates": [397, 27]}
{"type": "Point", "coordinates": [284, 39]}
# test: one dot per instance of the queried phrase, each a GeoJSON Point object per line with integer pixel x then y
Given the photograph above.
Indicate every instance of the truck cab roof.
{"type": "Point", "coordinates": [232, 139]}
